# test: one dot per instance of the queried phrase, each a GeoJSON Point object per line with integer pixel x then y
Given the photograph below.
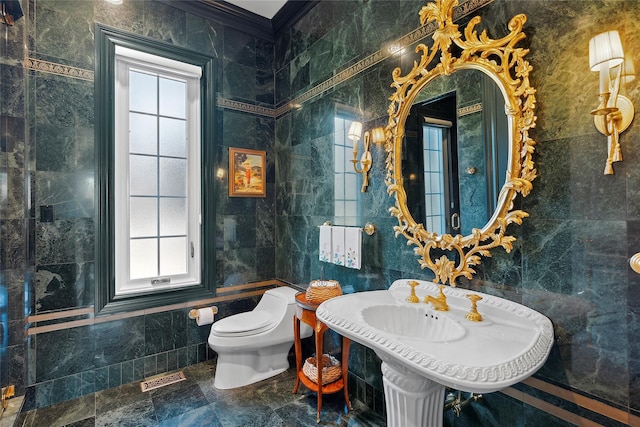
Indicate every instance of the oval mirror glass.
{"type": "Point", "coordinates": [455, 152]}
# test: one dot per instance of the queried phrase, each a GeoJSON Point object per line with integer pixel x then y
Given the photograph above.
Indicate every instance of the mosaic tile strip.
{"type": "Point", "coordinates": [469, 109]}
{"type": "Point", "coordinates": [414, 36]}
{"type": "Point", "coordinates": [243, 106]}
{"type": "Point", "coordinates": [58, 69]}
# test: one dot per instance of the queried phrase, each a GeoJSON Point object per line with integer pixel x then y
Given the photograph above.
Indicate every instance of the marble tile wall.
{"type": "Point", "coordinates": [570, 260]}
{"type": "Point", "coordinates": [47, 197]}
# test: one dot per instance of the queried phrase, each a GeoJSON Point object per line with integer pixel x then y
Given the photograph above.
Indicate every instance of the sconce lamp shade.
{"type": "Point", "coordinates": [605, 50]}
{"type": "Point", "coordinates": [628, 70]}
{"type": "Point", "coordinates": [377, 135]}
{"type": "Point", "coordinates": [355, 131]}
{"type": "Point", "coordinates": [114, 1]}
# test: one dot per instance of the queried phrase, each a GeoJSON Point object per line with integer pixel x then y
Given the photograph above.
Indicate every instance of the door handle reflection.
{"type": "Point", "coordinates": [455, 221]}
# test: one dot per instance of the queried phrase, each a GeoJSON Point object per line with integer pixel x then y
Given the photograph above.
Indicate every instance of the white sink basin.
{"type": "Point", "coordinates": [424, 350]}
{"type": "Point", "coordinates": [413, 324]}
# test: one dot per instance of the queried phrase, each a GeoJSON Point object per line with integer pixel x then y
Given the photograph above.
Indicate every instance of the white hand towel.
{"type": "Point", "coordinates": [353, 247]}
{"type": "Point", "coordinates": [337, 241]}
{"type": "Point", "coordinates": [325, 248]}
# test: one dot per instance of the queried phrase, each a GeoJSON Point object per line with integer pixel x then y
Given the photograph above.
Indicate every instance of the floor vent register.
{"type": "Point", "coordinates": [162, 381]}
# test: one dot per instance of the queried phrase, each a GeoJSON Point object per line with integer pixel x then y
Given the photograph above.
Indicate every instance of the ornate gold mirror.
{"type": "Point", "coordinates": [451, 255]}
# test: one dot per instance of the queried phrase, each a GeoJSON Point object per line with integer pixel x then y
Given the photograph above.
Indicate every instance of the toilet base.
{"type": "Point", "coordinates": [244, 368]}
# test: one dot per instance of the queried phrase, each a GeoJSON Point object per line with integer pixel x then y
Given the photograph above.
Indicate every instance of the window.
{"type": "Point", "coordinates": [152, 102]}
{"type": "Point", "coordinates": [157, 174]}
{"type": "Point", "coordinates": [346, 181]}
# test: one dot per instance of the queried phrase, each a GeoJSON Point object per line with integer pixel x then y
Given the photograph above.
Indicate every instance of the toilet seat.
{"type": "Point", "coordinates": [243, 324]}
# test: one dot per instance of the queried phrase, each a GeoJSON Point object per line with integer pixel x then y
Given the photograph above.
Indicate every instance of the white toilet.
{"type": "Point", "coordinates": [254, 345]}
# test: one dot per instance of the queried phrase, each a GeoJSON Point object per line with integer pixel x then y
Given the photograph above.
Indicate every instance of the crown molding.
{"type": "Point", "coordinates": [240, 19]}
{"type": "Point", "coordinates": [291, 13]}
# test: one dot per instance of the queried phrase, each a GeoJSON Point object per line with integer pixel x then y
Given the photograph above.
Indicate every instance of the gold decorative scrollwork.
{"type": "Point", "coordinates": [505, 64]}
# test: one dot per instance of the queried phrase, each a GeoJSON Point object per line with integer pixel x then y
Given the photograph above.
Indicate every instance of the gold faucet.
{"type": "Point", "coordinates": [413, 297]}
{"type": "Point", "coordinates": [473, 314]}
{"type": "Point", "coordinates": [439, 302]}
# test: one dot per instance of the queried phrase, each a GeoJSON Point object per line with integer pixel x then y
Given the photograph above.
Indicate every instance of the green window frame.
{"type": "Point", "coordinates": [107, 300]}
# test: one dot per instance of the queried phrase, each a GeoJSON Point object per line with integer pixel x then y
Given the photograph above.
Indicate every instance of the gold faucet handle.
{"type": "Point", "coordinates": [473, 314]}
{"type": "Point", "coordinates": [413, 297]}
{"type": "Point", "coordinates": [442, 298]}
{"type": "Point", "coordinates": [439, 302]}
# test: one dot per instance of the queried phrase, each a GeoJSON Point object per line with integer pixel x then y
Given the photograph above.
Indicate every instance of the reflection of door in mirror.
{"type": "Point", "coordinates": [346, 182]}
{"type": "Point", "coordinates": [430, 166]}
{"type": "Point", "coordinates": [455, 153]}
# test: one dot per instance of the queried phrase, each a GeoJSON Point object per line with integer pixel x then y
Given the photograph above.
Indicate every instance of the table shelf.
{"type": "Point", "coordinates": [306, 313]}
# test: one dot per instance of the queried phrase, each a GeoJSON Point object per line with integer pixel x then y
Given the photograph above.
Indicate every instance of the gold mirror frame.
{"type": "Point", "coordinates": [505, 64]}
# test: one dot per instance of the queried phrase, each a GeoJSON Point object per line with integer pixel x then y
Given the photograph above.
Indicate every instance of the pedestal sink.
{"type": "Point", "coordinates": [424, 350]}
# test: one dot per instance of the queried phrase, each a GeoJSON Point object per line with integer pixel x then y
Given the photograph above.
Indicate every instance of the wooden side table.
{"type": "Point", "coordinates": [306, 312]}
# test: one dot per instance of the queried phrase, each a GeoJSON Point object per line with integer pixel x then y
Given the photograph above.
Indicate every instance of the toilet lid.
{"type": "Point", "coordinates": [249, 323]}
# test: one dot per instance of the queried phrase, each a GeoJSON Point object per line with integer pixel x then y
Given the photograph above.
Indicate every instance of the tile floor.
{"type": "Point", "coordinates": [196, 402]}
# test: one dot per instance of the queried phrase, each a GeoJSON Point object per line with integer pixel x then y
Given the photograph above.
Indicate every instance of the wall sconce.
{"type": "Point", "coordinates": [376, 135]}
{"type": "Point", "coordinates": [615, 112]}
{"type": "Point", "coordinates": [10, 11]}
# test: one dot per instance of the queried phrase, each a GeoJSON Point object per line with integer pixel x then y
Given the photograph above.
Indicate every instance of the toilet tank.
{"type": "Point", "coordinates": [277, 300]}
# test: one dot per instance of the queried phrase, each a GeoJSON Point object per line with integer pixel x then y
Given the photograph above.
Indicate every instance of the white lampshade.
{"type": "Point", "coordinates": [355, 131]}
{"type": "Point", "coordinates": [605, 50]}
{"type": "Point", "coordinates": [377, 135]}
{"type": "Point", "coordinates": [628, 70]}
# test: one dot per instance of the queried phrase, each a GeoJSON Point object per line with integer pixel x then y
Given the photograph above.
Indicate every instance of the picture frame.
{"type": "Point", "coordinates": [247, 177]}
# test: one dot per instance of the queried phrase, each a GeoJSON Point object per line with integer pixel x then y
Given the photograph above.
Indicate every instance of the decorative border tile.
{"type": "Point", "coordinates": [414, 36]}
{"type": "Point", "coordinates": [470, 109]}
{"type": "Point", "coordinates": [244, 107]}
{"type": "Point", "coordinates": [58, 69]}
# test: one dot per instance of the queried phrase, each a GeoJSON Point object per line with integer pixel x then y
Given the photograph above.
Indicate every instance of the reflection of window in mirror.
{"type": "Point", "coordinates": [430, 165]}
{"type": "Point", "coordinates": [346, 182]}
{"type": "Point", "coordinates": [435, 176]}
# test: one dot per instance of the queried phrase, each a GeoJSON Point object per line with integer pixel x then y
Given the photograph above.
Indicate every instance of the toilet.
{"type": "Point", "coordinates": [254, 345]}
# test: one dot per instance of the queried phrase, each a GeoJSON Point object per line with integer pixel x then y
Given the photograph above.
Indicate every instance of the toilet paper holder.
{"type": "Point", "coordinates": [193, 313]}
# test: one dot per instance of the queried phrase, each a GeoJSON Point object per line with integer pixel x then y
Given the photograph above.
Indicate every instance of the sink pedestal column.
{"type": "Point", "coordinates": [411, 399]}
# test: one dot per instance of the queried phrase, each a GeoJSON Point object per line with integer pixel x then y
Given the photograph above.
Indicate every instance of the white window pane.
{"type": "Point", "coordinates": [173, 217]}
{"type": "Point", "coordinates": [351, 208]}
{"type": "Point", "coordinates": [339, 186]}
{"type": "Point", "coordinates": [348, 156]}
{"type": "Point", "coordinates": [173, 98]}
{"type": "Point", "coordinates": [338, 158]}
{"type": "Point", "coordinates": [143, 258]}
{"type": "Point", "coordinates": [351, 188]}
{"type": "Point", "coordinates": [173, 256]}
{"type": "Point", "coordinates": [173, 177]}
{"type": "Point", "coordinates": [143, 92]}
{"type": "Point", "coordinates": [434, 202]}
{"type": "Point", "coordinates": [339, 208]}
{"type": "Point", "coordinates": [143, 218]}
{"type": "Point", "coordinates": [143, 173]}
{"type": "Point", "coordinates": [143, 134]}
{"type": "Point", "coordinates": [172, 137]}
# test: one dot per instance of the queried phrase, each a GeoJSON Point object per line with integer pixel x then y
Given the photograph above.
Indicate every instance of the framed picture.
{"type": "Point", "coordinates": [247, 173]}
